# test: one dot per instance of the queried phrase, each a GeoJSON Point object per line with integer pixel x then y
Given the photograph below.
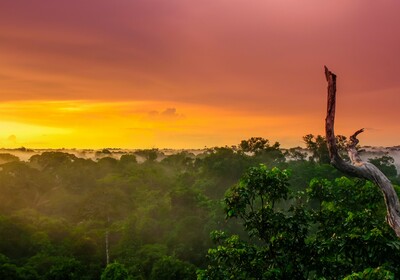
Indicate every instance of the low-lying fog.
{"type": "Point", "coordinates": [24, 154]}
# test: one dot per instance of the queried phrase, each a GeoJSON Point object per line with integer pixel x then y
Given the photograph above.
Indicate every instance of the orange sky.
{"type": "Point", "coordinates": [189, 74]}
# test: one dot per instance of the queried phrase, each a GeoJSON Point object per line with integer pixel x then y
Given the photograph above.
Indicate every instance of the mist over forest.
{"type": "Point", "coordinates": [251, 211]}
{"type": "Point", "coordinates": [101, 77]}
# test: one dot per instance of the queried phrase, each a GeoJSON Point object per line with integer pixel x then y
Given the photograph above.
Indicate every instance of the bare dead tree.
{"type": "Point", "coordinates": [357, 167]}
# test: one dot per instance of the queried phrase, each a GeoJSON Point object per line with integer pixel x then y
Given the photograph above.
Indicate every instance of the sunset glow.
{"type": "Point", "coordinates": [190, 74]}
{"type": "Point", "coordinates": [84, 124]}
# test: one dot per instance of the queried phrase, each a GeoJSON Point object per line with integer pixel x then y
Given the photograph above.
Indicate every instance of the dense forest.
{"type": "Point", "coordinates": [252, 211]}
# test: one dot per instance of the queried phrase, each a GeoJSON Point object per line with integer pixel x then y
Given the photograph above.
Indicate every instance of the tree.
{"type": "Point", "coordinates": [349, 234]}
{"type": "Point", "coordinates": [317, 146]}
{"type": "Point", "coordinates": [6, 157]}
{"type": "Point", "coordinates": [22, 187]}
{"type": "Point", "coordinates": [385, 164]}
{"type": "Point", "coordinates": [358, 167]}
{"type": "Point", "coordinates": [256, 145]}
{"type": "Point", "coordinates": [128, 159]}
{"type": "Point", "coordinates": [276, 248]}
{"type": "Point", "coordinates": [52, 160]}
{"type": "Point", "coordinates": [10, 271]}
{"type": "Point", "coordinates": [170, 268]}
{"type": "Point", "coordinates": [115, 271]}
{"type": "Point", "coordinates": [262, 150]}
{"type": "Point", "coordinates": [338, 233]}
{"type": "Point", "coordinates": [16, 239]}
{"type": "Point", "coordinates": [180, 161]}
{"type": "Point", "coordinates": [220, 168]}
{"type": "Point", "coordinates": [105, 204]}
{"type": "Point", "coordinates": [296, 154]}
{"type": "Point", "coordinates": [371, 274]}
{"type": "Point", "coordinates": [68, 269]}
{"type": "Point", "coordinates": [149, 154]}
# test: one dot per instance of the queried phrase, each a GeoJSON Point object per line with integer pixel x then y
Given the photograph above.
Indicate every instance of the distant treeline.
{"type": "Point", "coordinates": [253, 211]}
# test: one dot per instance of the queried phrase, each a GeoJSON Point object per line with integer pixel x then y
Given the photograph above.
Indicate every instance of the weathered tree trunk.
{"type": "Point", "coordinates": [107, 235]}
{"type": "Point", "coordinates": [107, 248]}
{"type": "Point", "coordinates": [357, 167]}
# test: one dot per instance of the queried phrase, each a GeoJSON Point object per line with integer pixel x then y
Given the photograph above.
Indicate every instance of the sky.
{"type": "Point", "coordinates": [195, 74]}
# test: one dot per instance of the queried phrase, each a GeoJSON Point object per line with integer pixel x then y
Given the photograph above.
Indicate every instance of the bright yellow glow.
{"type": "Point", "coordinates": [88, 124]}
{"type": "Point", "coordinates": [26, 131]}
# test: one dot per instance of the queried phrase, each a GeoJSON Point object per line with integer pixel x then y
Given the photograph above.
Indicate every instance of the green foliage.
{"type": "Point", "coordinates": [182, 160]}
{"type": "Point", "coordinates": [317, 145]}
{"type": "Point", "coordinates": [56, 209]}
{"type": "Point", "coordinates": [296, 154]}
{"type": "Point", "coordinates": [115, 271]}
{"type": "Point", "coordinates": [232, 259]}
{"type": "Point", "coordinates": [148, 256]}
{"type": "Point", "coordinates": [128, 160]}
{"type": "Point", "coordinates": [339, 233]}
{"type": "Point", "coordinates": [16, 239]}
{"type": "Point", "coordinates": [351, 234]}
{"type": "Point", "coordinates": [69, 269]}
{"type": "Point", "coordinates": [262, 150]}
{"type": "Point", "coordinates": [386, 165]}
{"type": "Point", "coordinates": [276, 249]}
{"type": "Point", "coordinates": [170, 268]}
{"type": "Point", "coordinates": [220, 168]}
{"type": "Point", "coordinates": [10, 271]}
{"type": "Point", "coordinates": [52, 160]}
{"type": "Point", "coordinates": [259, 187]}
{"type": "Point", "coordinates": [371, 274]}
